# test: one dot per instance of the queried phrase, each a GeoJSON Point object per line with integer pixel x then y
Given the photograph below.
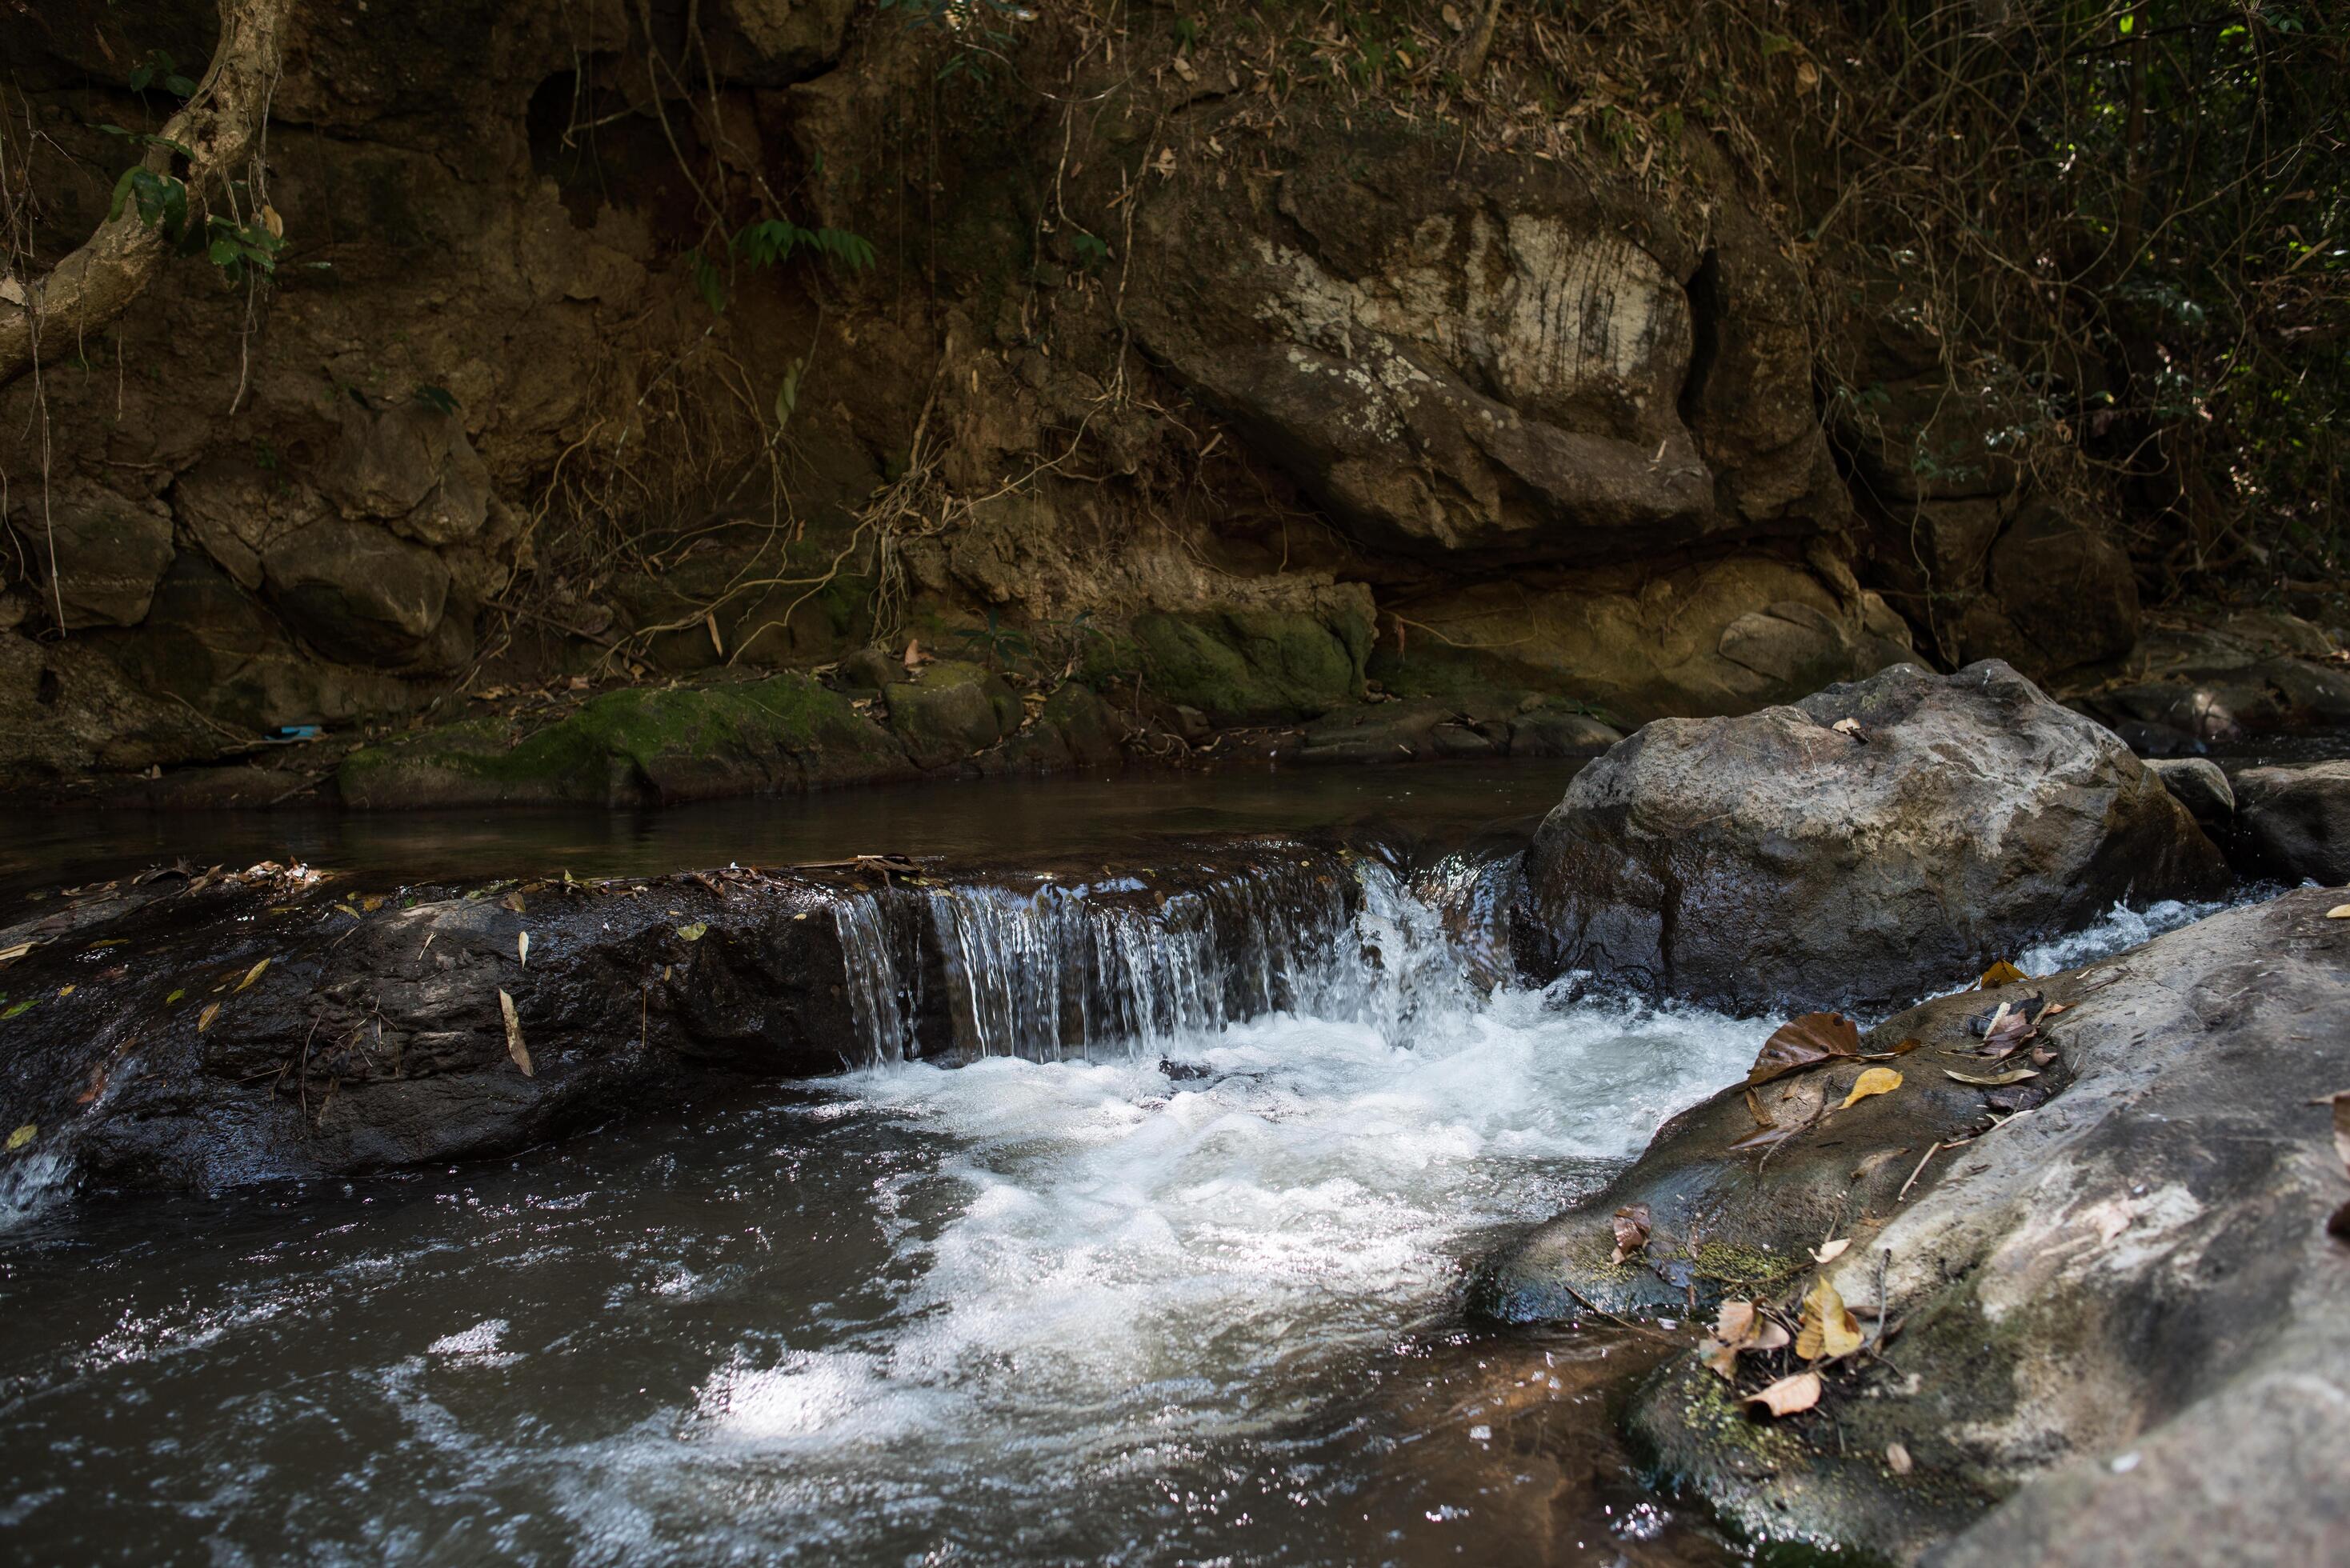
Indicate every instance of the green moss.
{"type": "Point", "coordinates": [638, 743]}
{"type": "Point", "coordinates": [1736, 1265]}
{"type": "Point", "coordinates": [1255, 666]}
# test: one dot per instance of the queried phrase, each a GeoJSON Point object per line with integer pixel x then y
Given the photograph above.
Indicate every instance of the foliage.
{"type": "Point", "coordinates": [995, 644]}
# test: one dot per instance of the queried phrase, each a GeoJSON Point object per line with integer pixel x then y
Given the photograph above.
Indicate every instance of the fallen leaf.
{"type": "Point", "coordinates": [16, 1007]}
{"type": "Point", "coordinates": [1999, 975]}
{"type": "Point", "coordinates": [514, 902]}
{"type": "Point", "coordinates": [1788, 1395]}
{"type": "Point", "coordinates": [1874, 1080]}
{"type": "Point", "coordinates": [371, 903]}
{"type": "Point", "coordinates": [1849, 727]}
{"type": "Point", "coordinates": [256, 972]}
{"type": "Point", "coordinates": [1804, 1042]}
{"type": "Point", "coordinates": [1990, 1080]}
{"type": "Point", "coordinates": [1829, 1252]}
{"type": "Point", "coordinates": [514, 1047]}
{"type": "Point", "coordinates": [522, 948]}
{"type": "Point", "coordinates": [205, 1019]}
{"type": "Point", "coordinates": [1754, 1108]}
{"type": "Point", "coordinates": [21, 1137]}
{"type": "Point", "coordinates": [64, 990]}
{"type": "Point", "coordinates": [2339, 1101]}
{"type": "Point", "coordinates": [1631, 1227]}
{"type": "Point", "coordinates": [10, 955]}
{"type": "Point", "coordinates": [2339, 912]}
{"type": "Point", "coordinates": [1827, 1329]}
{"type": "Point", "coordinates": [173, 1000]}
{"type": "Point", "coordinates": [693, 933]}
{"type": "Point", "coordinates": [1737, 1328]}
{"type": "Point", "coordinates": [1897, 1458]}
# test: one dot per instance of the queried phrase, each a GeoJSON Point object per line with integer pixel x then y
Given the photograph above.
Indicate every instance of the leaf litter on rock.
{"type": "Point", "coordinates": [1872, 1082]}
{"type": "Point", "coordinates": [1804, 1042]}
{"type": "Point", "coordinates": [1630, 1226]}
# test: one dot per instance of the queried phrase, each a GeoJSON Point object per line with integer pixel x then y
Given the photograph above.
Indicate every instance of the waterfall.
{"type": "Point", "coordinates": [1132, 964]}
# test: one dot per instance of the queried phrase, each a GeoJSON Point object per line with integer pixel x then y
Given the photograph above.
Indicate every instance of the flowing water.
{"type": "Point", "coordinates": [1168, 1272]}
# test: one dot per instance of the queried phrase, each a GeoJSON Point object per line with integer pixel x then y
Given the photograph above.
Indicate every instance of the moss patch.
{"type": "Point", "coordinates": [1255, 666]}
{"type": "Point", "coordinates": [682, 743]}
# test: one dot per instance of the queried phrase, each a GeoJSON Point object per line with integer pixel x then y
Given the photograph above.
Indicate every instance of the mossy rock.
{"type": "Point", "coordinates": [949, 711]}
{"type": "Point", "coordinates": [1256, 666]}
{"type": "Point", "coordinates": [633, 746]}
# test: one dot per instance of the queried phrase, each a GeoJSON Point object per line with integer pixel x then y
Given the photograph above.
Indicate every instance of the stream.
{"type": "Point", "coordinates": [1180, 1287]}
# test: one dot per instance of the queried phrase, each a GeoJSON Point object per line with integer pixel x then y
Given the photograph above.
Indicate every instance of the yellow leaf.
{"type": "Point", "coordinates": [205, 1019]}
{"type": "Point", "coordinates": [64, 990]}
{"type": "Point", "coordinates": [522, 948]}
{"type": "Point", "coordinates": [693, 933]}
{"type": "Point", "coordinates": [1999, 975]}
{"type": "Point", "coordinates": [1875, 1081]}
{"type": "Point", "coordinates": [1788, 1395]}
{"type": "Point", "coordinates": [1827, 1328]}
{"type": "Point", "coordinates": [173, 1000]}
{"type": "Point", "coordinates": [371, 903]}
{"type": "Point", "coordinates": [21, 1137]}
{"type": "Point", "coordinates": [2339, 912]}
{"type": "Point", "coordinates": [514, 1047]}
{"type": "Point", "coordinates": [253, 974]}
{"type": "Point", "coordinates": [1828, 1252]}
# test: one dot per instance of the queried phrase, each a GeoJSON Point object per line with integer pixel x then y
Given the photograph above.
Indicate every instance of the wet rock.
{"type": "Point", "coordinates": [950, 709]}
{"type": "Point", "coordinates": [869, 671]}
{"type": "Point", "coordinates": [375, 1038]}
{"type": "Point", "coordinates": [1399, 732]}
{"type": "Point", "coordinates": [356, 592]}
{"type": "Point", "coordinates": [110, 550]}
{"type": "Point", "coordinates": [2134, 1276]}
{"type": "Point", "coordinates": [2197, 784]}
{"type": "Point", "coordinates": [2293, 823]}
{"type": "Point", "coordinates": [1743, 862]}
{"type": "Point", "coordinates": [2062, 594]}
{"type": "Point", "coordinates": [633, 747]}
{"type": "Point", "coordinates": [1093, 732]}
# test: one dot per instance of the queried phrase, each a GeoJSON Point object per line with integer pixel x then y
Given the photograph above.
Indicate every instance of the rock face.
{"type": "Point", "coordinates": [949, 711]}
{"type": "Point", "coordinates": [2108, 1314]}
{"type": "Point", "coordinates": [2293, 823]}
{"type": "Point", "coordinates": [1774, 857]}
{"type": "Point", "coordinates": [109, 551]}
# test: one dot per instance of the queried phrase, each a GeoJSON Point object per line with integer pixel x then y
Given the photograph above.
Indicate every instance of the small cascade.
{"type": "Point", "coordinates": [1130, 964]}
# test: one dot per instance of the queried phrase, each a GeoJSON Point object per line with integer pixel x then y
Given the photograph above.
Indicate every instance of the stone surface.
{"type": "Point", "coordinates": [1742, 862]}
{"type": "Point", "coordinates": [237, 510]}
{"type": "Point", "coordinates": [412, 467]}
{"type": "Point", "coordinates": [633, 747]}
{"type": "Point", "coordinates": [1555, 735]}
{"type": "Point", "coordinates": [950, 709]}
{"type": "Point", "coordinates": [2293, 823]}
{"type": "Point", "coordinates": [2198, 783]}
{"type": "Point", "coordinates": [110, 550]}
{"type": "Point", "coordinates": [2134, 1277]}
{"type": "Point", "coordinates": [66, 711]}
{"type": "Point", "coordinates": [356, 592]}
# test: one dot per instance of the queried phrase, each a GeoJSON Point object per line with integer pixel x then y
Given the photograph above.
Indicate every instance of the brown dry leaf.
{"type": "Point", "coordinates": [1874, 1080]}
{"type": "Point", "coordinates": [2340, 1100]}
{"type": "Point", "coordinates": [915, 657]}
{"type": "Point", "coordinates": [514, 902]}
{"type": "Point", "coordinates": [205, 1019]}
{"type": "Point", "coordinates": [1849, 727]}
{"type": "Point", "coordinates": [2339, 912]}
{"type": "Point", "coordinates": [514, 1047]}
{"type": "Point", "coordinates": [1631, 1227]}
{"type": "Point", "coordinates": [1827, 1328]}
{"type": "Point", "coordinates": [10, 955]}
{"type": "Point", "coordinates": [1990, 1080]}
{"type": "Point", "coordinates": [1829, 1252]}
{"type": "Point", "coordinates": [1999, 975]}
{"type": "Point", "coordinates": [1788, 1395]}
{"type": "Point", "coordinates": [1908, 1043]}
{"type": "Point", "coordinates": [1737, 1328]}
{"type": "Point", "coordinates": [522, 949]}
{"type": "Point", "coordinates": [1804, 1042]}
{"type": "Point", "coordinates": [1897, 1458]}
{"type": "Point", "coordinates": [371, 903]}
{"type": "Point", "coordinates": [1754, 1108]}
{"type": "Point", "coordinates": [256, 972]}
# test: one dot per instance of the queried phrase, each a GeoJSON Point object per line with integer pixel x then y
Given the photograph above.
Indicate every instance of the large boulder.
{"type": "Point", "coordinates": [356, 592]}
{"type": "Point", "coordinates": [109, 550]}
{"type": "Point", "coordinates": [1499, 359]}
{"type": "Point", "coordinates": [1775, 857]}
{"type": "Point", "coordinates": [2105, 1317]}
{"type": "Point", "coordinates": [2293, 823]}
